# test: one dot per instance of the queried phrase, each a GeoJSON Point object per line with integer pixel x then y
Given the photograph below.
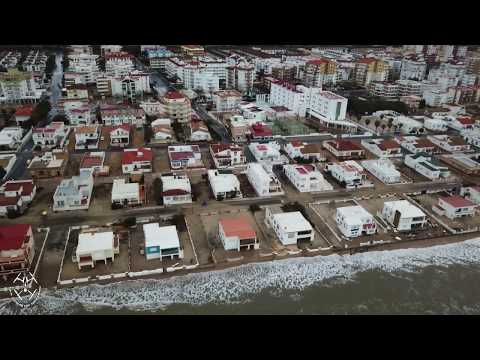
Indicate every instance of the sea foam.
{"type": "Point", "coordinates": [237, 284]}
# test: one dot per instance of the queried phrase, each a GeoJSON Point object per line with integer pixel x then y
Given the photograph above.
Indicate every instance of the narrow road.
{"type": "Point", "coordinates": [214, 124]}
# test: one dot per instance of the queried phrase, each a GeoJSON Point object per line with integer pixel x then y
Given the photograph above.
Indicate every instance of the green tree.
{"type": "Point", "coordinates": [377, 124]}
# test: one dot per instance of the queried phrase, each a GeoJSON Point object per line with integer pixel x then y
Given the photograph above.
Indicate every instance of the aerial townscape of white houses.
{"type": "Point", "coordinates": [158, 158]}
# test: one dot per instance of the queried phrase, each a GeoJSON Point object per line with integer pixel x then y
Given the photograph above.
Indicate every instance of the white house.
{"type": "Point", "coordinates": [268, 152]}
{"type": "Point", "coordinates": [237, 234]}
{"type": "Point", "coordinates": [162, 129]}
{"type": "Point", "coordinates": [383, 169]}
{"type": "Point", "coordinates": [50, 135]}
{"type": "Point", "coordinates": [87, 137]}
{"type": "Point", "coordinates": [435, 125]}
{"type": "Point", "coordinates": [74, 193]}
{"type": "Point", "coordinates": [225, 186]}
{"type": "Point", "coordinates": [120, 135]}
{"type": "Point", "coordinates": [451, 144]}
{"type": "Point", "coordinates": [298, 149]}
{"type": "Point", "coordinates": [15, 195]}
{"type": "Point", "coordinates": [162, 242]}
{"type": "Point", "coordinates": [423, 165]}
{"type": "Point", "coordinates": [416, 144]}
{"type": "Point", "coordinates": [290, 227]}
{"type": "Point", "coordinates": [199, 131]}
{"type": "Point", "coordinates": [265, 183]}
{"type": "Point", "coordinates": [185, 156]}
{"type": "Point", "coordinates": [306, 178]}
{"type": "Point", "coordinates": [383, 147]}
{"type": "Point", "coordinates": [94, 161]}
{"type": "Point", "coordinates": [403, 216]}
{"type": "Point", "coordinates": [355, 221]}
{"type": "Point", "coordinates": [344, 149]}
{"type": "Point", "coordinates": [227, 155]}
{"type": "Point", "coordinates": [96, 246]}
{"type": "Point", "coordinates": [176, 189]}
{"type": "Point", "coordinates": [471, 193]}
{"type": "Point", "coordinates": [137, 160]}
{"type": "Point", "coordinates": [454, 207]}
{"type": "Point", "coordinates": [349, 173]}
{"type": "Point", "coordinates": [125, 194]}
{"type": "Point", "coordinates": [152, 107]}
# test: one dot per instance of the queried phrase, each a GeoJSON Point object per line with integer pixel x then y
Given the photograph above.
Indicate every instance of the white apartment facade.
{"type": "Point", "coordinates": [265, 183]}
{"type": "Point", "coordinates": [290, 227]}
{"type": "Point", "coordinates": [383, 169]}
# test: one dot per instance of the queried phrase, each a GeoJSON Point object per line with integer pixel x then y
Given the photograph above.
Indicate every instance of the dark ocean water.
{"type": "Point", "coordinates": [437, 280]}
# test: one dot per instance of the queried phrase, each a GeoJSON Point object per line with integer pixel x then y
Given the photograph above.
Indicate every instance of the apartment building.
{"type": "Point", "coordinates": [86, 64]}
{"type": "Point", "coordinates": [131, 87]}
{"type": "Point", "coordinates": [177, 107]}
{"type": "Point", "coordinates": [320, 72]}
{"type": "Point", "coordinates": [384, 89]}
{"type": "Point", "coordinates": [122, 115]}
{"type": "Point", "coordinates": [87, 137]}
{"type": "Point", "coordinates": [413, 69]}
{"type": "Point", "coordinates": [240, 76]}
{"type": "Point", "coordinates": [226, 100]}
{"type": "Point", "coordinates": [119, 63]}
{"type": "Point", "coordinates": [18, 87]}
{"type": "Point", "coordinates": [329, 108]}
{"type": "Point", "coordinates": [296, 98]}
{"type": "Point", "coordinates": [369, 69]}
{"type": "Point", "coordinates": [48, 165]}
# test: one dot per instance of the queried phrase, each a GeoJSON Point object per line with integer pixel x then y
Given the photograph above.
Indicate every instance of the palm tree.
{"type": "Point", "coordinates": [377, 124]}
{"type": "Point", "coordinates": [367, 122]}
{"type": "Point", "coordinates": [383, 127]}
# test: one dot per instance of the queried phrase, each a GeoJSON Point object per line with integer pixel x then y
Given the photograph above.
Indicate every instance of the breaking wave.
{"type": "Point", "coordinates": [236, 285]}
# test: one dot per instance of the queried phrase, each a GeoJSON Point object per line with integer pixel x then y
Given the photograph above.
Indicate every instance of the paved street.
{"type": "Point", "coordinates": [214, 124]}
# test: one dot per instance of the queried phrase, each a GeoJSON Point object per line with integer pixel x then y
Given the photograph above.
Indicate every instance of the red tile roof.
{"type": "Point", "coordinates": [89, 161]}
{"type": "Point", "coordinates": [457, 201]}
{"type": "Point", "coordinates": [238, 227]}
{"type": "Point", "coordinates": [142, 154]}
{"type": "Point", "coordinates": [216, 148]}
{"type": "Point", "coordinates": [8, 200]}
{"type": "Point", "coordinates": [174, 95]}
{"type": "Point", "coordinates": [27, 186]}
{"type": "Point", "coordinates": [317, 62]}
{"type": "Point", "coordinates": [181, 155]}
{"type": "Point", "coordinates": [343, 145]}
{"type": "Point", "coordinates": [388, 144]}
{"type": "Point", "coordinates": [260, 130]}
{"type": "Point", "coordinates": [13, 236]}
{"type": "Point", "coordinates": [466, 120]}
{"type": "Point", "coordinates": [423, 143]}
{"type": "Point", "coordinates": [24, 111]}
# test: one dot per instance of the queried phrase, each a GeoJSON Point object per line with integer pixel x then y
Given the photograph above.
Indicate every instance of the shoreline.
{"type": "Point", "coordinates": [406, 244]}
